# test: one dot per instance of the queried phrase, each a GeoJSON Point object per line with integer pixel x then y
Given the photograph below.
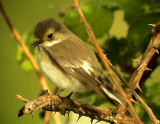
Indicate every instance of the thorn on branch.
{"type": "Point", "coordinates": [64, 105]}
{"type": "Point", "coordinates": [79, 117]}
{"type": "Point", "coordinates": [20, 112]}
{"type": "Point", "coordinates": [92, 120]}
{"type": "Point", "coordinates": [21, 98]}
{"type": "Point", "coordinates": [44, 92]}
{"type": "Point", "coordinates": [136, 60]}
{"type": "Point", "coordinates": [138, 87]}
{"type": "Point", "coordinates": [157, 28]}
{"type": "Point", "coordinates": [156, 50]}
{"type": "Point", "coordinates": [147, 69]}
{"type": "Point", "coordinates": [153, 25]}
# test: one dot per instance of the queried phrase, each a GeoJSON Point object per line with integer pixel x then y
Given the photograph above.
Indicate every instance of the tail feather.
{"type": "Point", "coordinates": [116, 96]}
{"type": "Point", "coordinates": [108, 91]}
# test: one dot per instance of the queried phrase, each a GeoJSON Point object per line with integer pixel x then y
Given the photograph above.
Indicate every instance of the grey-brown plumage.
{"type": "Point", "coordinates": [69, 62]}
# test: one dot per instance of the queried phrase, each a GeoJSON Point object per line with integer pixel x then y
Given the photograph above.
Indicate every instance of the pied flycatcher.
{"type": "Point", "coordinates": [68, 62]}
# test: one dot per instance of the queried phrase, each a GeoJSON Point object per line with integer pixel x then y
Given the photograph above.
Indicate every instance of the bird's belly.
{"type": "Point", "coordinates": [61, 79]}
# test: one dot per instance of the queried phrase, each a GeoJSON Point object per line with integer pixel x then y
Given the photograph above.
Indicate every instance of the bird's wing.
{"type": "Point", "coordinates": [81, 63]}
{"type": "Point", "coordinates": [79, 55]}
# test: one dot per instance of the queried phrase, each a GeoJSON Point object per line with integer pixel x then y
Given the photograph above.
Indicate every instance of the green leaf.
{"type": "Point", "coordinates": [21, 57]}
{"type": "Point", "coordinates": [99, 17]}
{"type": "Point", "coordinates": [112, 4]}
{"type": "Point", "coordinates": [72, 21]}
{"type": "Point", "coordinates": [133, 9]}
{"type": "Point", "coordinates": [115, 49]}
{"type": "Point", "coordinates": [140, 33]}
{"type": "Point", "coordinates": [151, 5]}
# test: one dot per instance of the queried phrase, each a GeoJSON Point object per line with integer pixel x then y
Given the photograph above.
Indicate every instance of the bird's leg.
{"type": "Point", "coordinates": [69, 96]}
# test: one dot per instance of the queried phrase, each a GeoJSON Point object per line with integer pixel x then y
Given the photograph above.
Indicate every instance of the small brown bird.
{"type": "Point", "coordinates": [68, 62]}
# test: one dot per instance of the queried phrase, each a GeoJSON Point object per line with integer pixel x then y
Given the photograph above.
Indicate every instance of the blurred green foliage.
{"type": "Point", "coordinates": [120, 50]}
{"type": "Point", "coordinates": [137, 14]}
{"type": "Point", "coordinates": [28, 38]}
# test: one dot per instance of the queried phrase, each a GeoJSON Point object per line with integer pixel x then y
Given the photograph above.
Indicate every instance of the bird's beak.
{"type": "Point", "coordinates": [36, 43]}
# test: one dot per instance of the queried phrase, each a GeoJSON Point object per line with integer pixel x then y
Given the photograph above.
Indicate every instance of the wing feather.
{"type": "Point", "coordinates": [72, 64]}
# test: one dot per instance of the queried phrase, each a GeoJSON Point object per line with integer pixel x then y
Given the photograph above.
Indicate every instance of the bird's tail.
{"type": "Point", "coordinates": [109, 92]}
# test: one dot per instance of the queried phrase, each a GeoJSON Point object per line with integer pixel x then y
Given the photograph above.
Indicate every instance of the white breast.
{"type": "Point", "coordinates": [57, 76]}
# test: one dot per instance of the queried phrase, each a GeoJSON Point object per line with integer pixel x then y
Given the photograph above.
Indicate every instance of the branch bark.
{"type": "Point", "coordinates": [64, 105]}
{"type": "Point", "coordinates": [152, 48]}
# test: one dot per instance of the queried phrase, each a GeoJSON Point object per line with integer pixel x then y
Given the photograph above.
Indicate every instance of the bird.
{"type": "Point", "coordinates": [69, 62]}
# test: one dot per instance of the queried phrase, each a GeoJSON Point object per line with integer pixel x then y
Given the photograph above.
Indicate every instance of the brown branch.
{"type": "Point", "coordinates": [106, 62]}
{"type": "Point", "coordinates": [145, 106]}
{"type": "Point", "coordinates": [46, 117]}
{"type": "Point", "coordinates": [153, 64]}
{"type": "Point", "coordinates": [137, 75]}
{"type": "Point", "coordinates": [150, 51]}
{"type": "Point", "coordinates": [64, 105]}
{"type": "Point", "coordinates": [21, 98]}
{"type": "Point", "coordinates": [28, 54]}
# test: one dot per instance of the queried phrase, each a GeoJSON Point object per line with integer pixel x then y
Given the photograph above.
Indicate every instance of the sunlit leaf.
{"type": "Point", "coordinates": [21, 57]}
{"type": "Point", "coordinates": [99, 17]}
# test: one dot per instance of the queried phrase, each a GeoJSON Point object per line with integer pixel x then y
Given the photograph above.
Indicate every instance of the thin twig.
{"type": "Point", "coordinates": [21, 98]}
{"type": "Point", "coordinates": [27, 53]}
{"type": "Point", "coordinates": [106, 61]}
{"type": "Point", "coordinates": [145, 106]}
{"type": "Point", "coordinates": [46, 117]}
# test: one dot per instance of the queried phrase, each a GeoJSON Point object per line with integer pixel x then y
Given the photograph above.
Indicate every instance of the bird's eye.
{"type": "Point", "coordinates": [50, 35]}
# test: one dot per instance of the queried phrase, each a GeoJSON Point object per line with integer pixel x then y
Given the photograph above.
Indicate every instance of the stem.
{"type": "Point", "coordinates": [106, 61]}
